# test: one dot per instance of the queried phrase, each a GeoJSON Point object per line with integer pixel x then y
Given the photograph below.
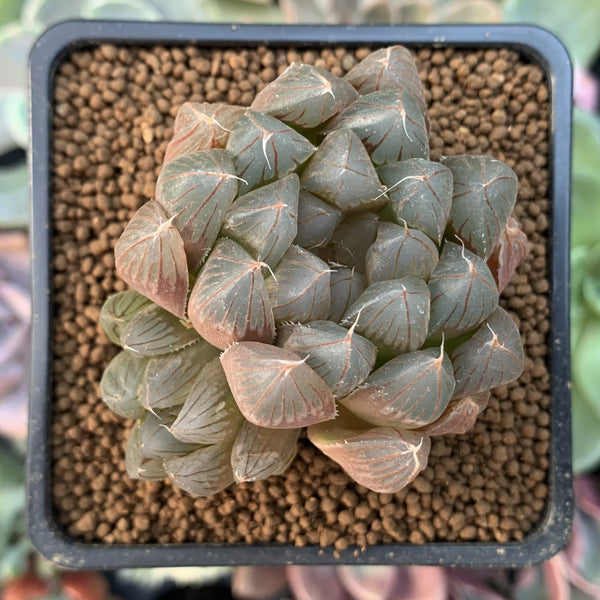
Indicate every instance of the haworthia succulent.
{"type": "Point", "coordinates": [120, 385]}
{"type": "Point", "coordinates": [200, 125]}
{"type": "Point", "coordinates": [459, 417]}
{"type": "Point", "coordinates": [352, 238]}
{"type": "Point", "coordinates": [196, 189]}
{"type": "Point", "coordinates": [265, 148]}
{"type": "Point", "coordinates": [420, 193]}
{"type": "Point", "coordinates": [341, 173]}
{"type": "Point", "coordinates": [392, 314]}
{"type": "Point", "coordinates": [136, 464]}
{"type": "Point", "coordinates": [463, 292]}
{"type": "Point", "coordinates": [150, 257]}
{"type": "Point", "coordinates": [229, 301]}
{"type": "Point", "coordinates": [118, 310]}
{"type": "Point", "coordinates": [407, 392]}
{"type": "Point", "coordinates": [259, 452]}
{"type": "Point", "coordinates": [157, 442]}
{"type": "Point", "coordinates": [265, 220]}
{"type": "Point", "coordinates": [299, 287]}
{"type": "Point", "coordinates": [305, 96]}
{"type": "Point", "coordinates": [275, 388]}
{"type": "Point", "coordinates": [484, 194]}
{"type": "Point", "coordinates": [346, 286]}
{"type": "Point", "coordinates": [493, 356]}
{"type": "Point", "coordinates": [341, 357]}
{"type": "Point", "coordinates": [317, 221]}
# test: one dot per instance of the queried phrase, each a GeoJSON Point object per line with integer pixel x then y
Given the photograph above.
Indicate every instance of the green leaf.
{"type": "Point", "coordinates": [14, 196]}
{"type": "Point", "coordinates": [585, 359]}
{"type": "Point", "coordinates": [585, 212]}
{"type": "Point", "coordinates": [150, 257]}
{"type": "Point", "coordinates": [132, 10]}
{"type": "Point", "coordinates": [15, 111]}
{"type": "Point", "coordinates": [118, 310]}
{"type": "Point", "coordinates": [16, 41]}
{"type": "Point", "coordinates": [586, 441]}
{"type": "Point", "coordinates": [275, 388]}
{"type": "Point", "coordinates": [137, 465]}
{"type": "Point", "coordinates": [591, 282]}
{"type": "Point", "coordinates": [346, 286]}
{"type": "Point", "coordinates": [229, 301]}
{"type": "Point", "coordinates": [575, 23]}
{"type": "Point", "coordinates": [578, 308]}
{"type": "Point", "coordinates": [156, 441]}
{"type": "Point", "coordinates": [317, 221]}
{"type": "Point", "coordinates": [120, 385]}
{"type": "Point", "coordinates": [9, 10]}
{"type": "Point", "coordinates": [586, 143]}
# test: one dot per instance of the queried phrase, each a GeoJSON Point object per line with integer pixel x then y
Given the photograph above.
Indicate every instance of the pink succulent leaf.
{"type": "Point", "coordinates": [196, 189]}
{"type": "Point", "coordinates": [299, 287]}
{"type": "Point", "coordinates": [201, 125]}
{"type": "Point", "coordinates": [316, 583]}
{"type": "Point", "coordinates": [153, 331]}
{"type": "Point", "coordinates": [391, 68]}
{"type": "Point", "coordinates": [484, 195]}
{"type": "Point", "coordinates": [265, 148]}
{"type": "Point", "coordinates": [483, 584]}
{"type": "Point", "coordinates": [259, 452]}
{"type": "Point", "coordinates": [369, 582]}
{"type": "Point", "coordinates": [346, 286]}
{"type": "Point", "coordinates": [555, 578]}
{"type": "Point", "coordinates": [136, 464]}
{"type": "Point", "coordinates": [382, 459]}
{"type": "Point", "coordinates": [587, 496]}
{"type": "Point", "coordinates": [459, 417]}
{"type": "Point", "coordinates": [351, 239]}
{"type": "Point", "coordinates": [429, 583]}
{"type": "Point", "coordinates": [493, 356]}
{"type": "Point", "coordinates": [257, 583]}
{"type": "Point", "coordinates": [150, 257]}
{"type": "Point", "coordinates": [157, 442]}
{"type": "Point", "coordinates": [512, 249]}
{"type": "Point", "coordinates": [390, 124]}
{"type": "Point", "coordinates": [305, 96]}
{"type": "Point", "coordinates": [463, 292]}
{"type": "Point", "coordinates": [341, 173]}
{"type": "Point", "coordinates": [341, 357]}
{"type": "Point", "coordinates": [407, 392]}
{"type": "Point", "coordinates": [118, 310]}
{"type": "Point", "coordinates": [229, 301]}
{"type": "Point", "coordinates": [420, 193]}
{"type": "Point", "coordinates": [169, 378]}
{"type": "Point", "coordinates": [121, 383]}
{"type": "Point", "coordinates": [274, 388]}
{"type": "Point", "coordinates": [392, 314]}
{"type": "Point", "coordinates": [209, 414]}
{"type": "Point", "coordinates": [265, 220]}
{"type": "Point", "coordinates": [317, 221]}
{"type": "Point", "coordinates": [400, 252]}
{"type": "Point", "coordinates": [203, 472]}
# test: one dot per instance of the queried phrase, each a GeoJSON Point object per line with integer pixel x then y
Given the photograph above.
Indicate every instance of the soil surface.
{"type": "Point", "coordinates": [113, 116]}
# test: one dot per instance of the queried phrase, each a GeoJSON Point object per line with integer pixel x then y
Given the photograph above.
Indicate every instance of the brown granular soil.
{"type": "Point", "coordinates": [113, 116]}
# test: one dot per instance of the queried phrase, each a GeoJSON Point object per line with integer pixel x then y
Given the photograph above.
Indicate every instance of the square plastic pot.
{"type": "Point", "coordinates": [536, 44]}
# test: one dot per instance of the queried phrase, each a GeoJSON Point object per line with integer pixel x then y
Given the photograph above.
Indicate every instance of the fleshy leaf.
{"type": "Point", "coordinates": [299, 288]}
{"type": "Point", "coordinates": [399, 252]}
{"type": "Point", "coordinates": [201, 125]}
{"type": "Point", "coordinates": [168, 379]}
{"type": "Point", "coordinates": [459, 417]}
{"type": "Point", "coordinates": [484, 194]}
{"type": "Point", "coordinates": [157, 442]}
{"type": "Point", "coordinates": [341, 173]}
{"type": "Point", "coordinates": [392, 314]}
{"type": "Point", "coordinates": [209, 415]}
{"type": "Point", "coordinates": [274, 388]}
{"type": "Point", "coordinates": [259, 452]}
{"type": "Point", "coordinates": [346, 286]}
{"type": "Point", "coordinates": [136, 464]}
{"type": "Point", "coordinates": [150, 257]}
{"type": "Point", "coordinates": [153, 331]}
{"type": "Point", "coordinates": [420, 193]}
{"type": "Point", "coordinates": [317, 221]}
{"type": "Point", "coordinates": [511, 251]}
{"type": "Point", "coordinates": [493, 356]}
{"type": "Point", "coordinates": [341, 357]}
{"type": "Point", "coordinates": [305, 96]}
{"type": "Point", "coordinates": [118, 310]}
{"type": "Point", "coordinates": [388, 69]}
{"type": "Point", "coordinates": [196, 189]}
{"type": "Point", "coordinates": [407, 392]}
{"type": "Point", "coordinates": [120, 385]}
{"type": "Point", "coordinates": [265, 220]}
{"type": "Point", "coordinates": [390, 124]}
{"type": "Point", "coordinates": [352, 238]}
{"type": "Point", "coordinates": [229, 301]}
{"type": "Point", "coordinates": [382, 459]}
{"type": "Point", "coordinates": [264, 148]}
{"type": "Point", "coordinates": [463, 292]}
{"type": "Point", "coordinates": [204, 472]}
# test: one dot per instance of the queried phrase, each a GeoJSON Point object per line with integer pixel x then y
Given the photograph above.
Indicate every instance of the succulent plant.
{"type": "Point", "coordinates": [304, 264]}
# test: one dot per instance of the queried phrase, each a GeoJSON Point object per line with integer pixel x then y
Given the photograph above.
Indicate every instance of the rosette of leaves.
{"type": "Point", "coordinates": [304, 264]}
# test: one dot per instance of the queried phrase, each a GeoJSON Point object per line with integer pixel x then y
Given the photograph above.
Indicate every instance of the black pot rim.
{"type": "Point", "coordinates": [533, 42]}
